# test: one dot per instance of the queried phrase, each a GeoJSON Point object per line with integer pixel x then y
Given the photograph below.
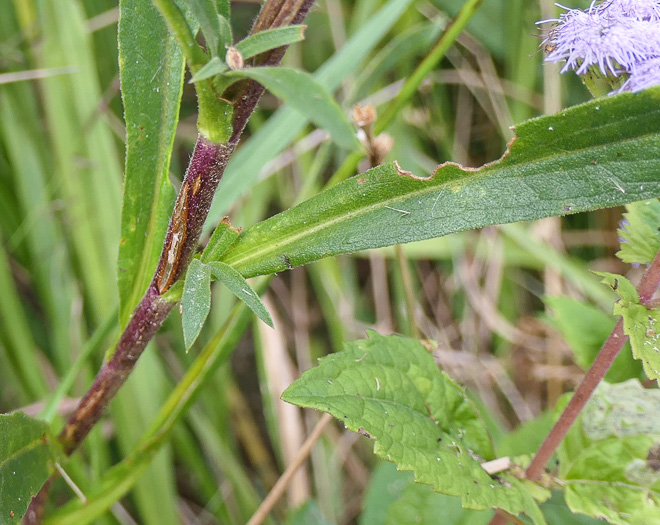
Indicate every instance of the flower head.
{"type": "Point", "coordinates": [611, 38]}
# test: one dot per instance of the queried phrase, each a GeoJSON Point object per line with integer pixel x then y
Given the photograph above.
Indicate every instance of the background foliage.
{"type": "Point", "coordinates": [488, 297]}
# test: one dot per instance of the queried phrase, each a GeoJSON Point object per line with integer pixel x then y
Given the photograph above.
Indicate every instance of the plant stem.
{"type": "Point", "coordinates": [611, 348]}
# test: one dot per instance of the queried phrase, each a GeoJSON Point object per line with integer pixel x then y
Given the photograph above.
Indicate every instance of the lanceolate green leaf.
{"type": "Point", "coordinates": [270, 39]}
{"type": "Point", "coordinates": [151, 70]}
{"type": "Point", "coordinates": [306, 95]}
{"type": "Point", "coordinates": [241, 289]}
{"type": "Point", "coordinates": [605, 153]}
{"type": "Point", "coordinates": [27, 457]}
{"type": "Point", "coordinates": [389, 389]}
{"type": "Point", "coordinates": [196, 300]}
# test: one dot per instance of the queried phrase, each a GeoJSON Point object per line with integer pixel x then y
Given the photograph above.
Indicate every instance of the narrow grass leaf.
{"type": "Point", "coordinates": [604, 153]}
{"type": "Point", "coordinates": [270, 39]}
{"type": "Point", "coordinates": [27, 458]}
{"type": "Point", "coordinates": [241, 289]}
{"type": "Point", "coordinates": [306, 95]}
{"type": "Point", "coordinates": [151, 70]}
{"type": "Point", "coordinates": [196, 300]}
{"type": "Point", "coordinates": [608, 460]}
{"type": "Point", "coordinates": [389, 389]}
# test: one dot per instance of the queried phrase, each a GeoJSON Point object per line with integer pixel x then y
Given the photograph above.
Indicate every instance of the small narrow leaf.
{"type": "Point", "coordinates": [608, 461]}
{"type": "Point", "coordinates": [27, 458]}
{"type": "Point", "coordinates": [270, 39]}
{"type": "Point", "coordinates": [640, 232]}
{"type": "Point", "coordinates": [213, 67]}
{"type": "Point", "coordinates": [241, 289]}
{"type": "Point", "coordinates": [390, 390]}
{"type": "Point", "coordinates": [304, 94]}
{"type": "Point", "coordinates": [223, 237]}
{"type": "Point", "coordinates": [196, 300]}
{"type": "Point", "coordinates": [226, 36]}
{"type": "Point", "coordinates": [206, 14]}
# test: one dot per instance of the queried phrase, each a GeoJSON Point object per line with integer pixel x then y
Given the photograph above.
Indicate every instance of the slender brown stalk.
{"type": "Point", "coordinates": [611, 348]}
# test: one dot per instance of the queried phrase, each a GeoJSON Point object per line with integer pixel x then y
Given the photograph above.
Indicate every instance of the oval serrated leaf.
{"type": "Point", "coordinates": [601, 154]}
{"type": "Point", "coordinates": [27, 458]}
{"type": "Point", "coordinates": [195, 301]}
{"type": "Point", "coordinates": [390, 389]}
{"type": "Point", "coordinates": [241, 289]}
{"type": "Point", "coordinates": [304, 94]}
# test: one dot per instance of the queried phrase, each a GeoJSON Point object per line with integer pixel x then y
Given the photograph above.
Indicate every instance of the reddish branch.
{"type": "Point", "coordinates": [611, 348]}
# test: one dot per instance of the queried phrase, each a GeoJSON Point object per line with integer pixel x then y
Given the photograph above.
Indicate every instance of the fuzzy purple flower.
{"type": "Point", "coordinates": [645, 75]}
{"type": "Point", "coordinates": [611, 38]}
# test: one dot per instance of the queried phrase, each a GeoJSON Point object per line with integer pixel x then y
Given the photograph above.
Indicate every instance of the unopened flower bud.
{"type": "Point", "coordinates": [234, 59]}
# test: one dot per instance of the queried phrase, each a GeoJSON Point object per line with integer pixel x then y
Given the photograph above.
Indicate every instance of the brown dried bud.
{"type": "Point", "coordinates": [234, 59]}
{"type": "Point", "coordinates": [363, 116]}
{"type": "Point", "coordinates": [381, 146]}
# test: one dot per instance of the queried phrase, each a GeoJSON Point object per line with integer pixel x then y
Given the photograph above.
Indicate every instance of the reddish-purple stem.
{"type": "Point", "coordinates": [611, 348]}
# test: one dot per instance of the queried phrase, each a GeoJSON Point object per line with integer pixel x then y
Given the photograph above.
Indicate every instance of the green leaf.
{"type": "Point", "coordinates": [151, 70]}
{"type": "Point", "coordinates": [226, 36]}
{"type": "Point", "coordinates": [419, 504]}
{"type": "Point", "coordinates": [640, 236]}
{"type": "Point", "coordinates": [206, 14]}
{"type": "Point", "coordinates": [641, 324]}
{"type": "Point", "coordinates": [608, 462]}
{"type": "Point", "coordinates": [241, 289]}
{"type": "Point", "coordinates": [223, 237]}
{"type": "Point", "coordinates": [270, 39]}
{"type": "Point", "coordinates": [306, 514]}
{"type": "Point", "coordinates": [213, 67]}
{"type": "Point", "coordinates": [389, 389]}
{"type": "Point", "coordinates": [27, 458]}
{"type": "Point", "coordinates": [620, 286]}
{"type": "Point", "coordinates": [585, 328]}
{"type": "Point", "coordinates": [385, 487]}
{"type": "Point", "coordinates": [196, 300]}
{"type": "Point", "coordinates": [600, 154]}
{"type": "Point", "coordinates": [306, 95]}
